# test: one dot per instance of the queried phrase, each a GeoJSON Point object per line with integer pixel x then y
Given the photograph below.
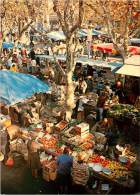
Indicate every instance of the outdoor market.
{"type": "Point", "coordinates": [69, 101]}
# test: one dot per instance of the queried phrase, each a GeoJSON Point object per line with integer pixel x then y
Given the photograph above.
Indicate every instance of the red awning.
{"type": "Point", "coordinates": [134, 50]}
{"type": "Point", "coordinates": [108, 48]}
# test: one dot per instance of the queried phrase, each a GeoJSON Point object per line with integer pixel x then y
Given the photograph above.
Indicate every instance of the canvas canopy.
{"type": "Point", "coordinates": [15, 87]}
{"type": "Point", "coordinates": [94, 32]}
{"type": "Point", "coordinates": [131, 67]}
{"type": "Point", "coordinates": [84, 60]}
{"type": "Point", "coordinates": [59, 35]}
{"type": "Point", "coordinates": [56, 35]}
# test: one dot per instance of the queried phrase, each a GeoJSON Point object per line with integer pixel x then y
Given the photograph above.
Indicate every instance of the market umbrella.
{"type": "Point", "coordinates": [108, 47]}
{"type": "Point", "coordinates": [59, 35]}
{"type": "Point", "coordinates": [7, 45]}
{"type": "Point", "coordinates": [15, 87]}
{"type": "Point", "coordinates": [56, 35]}
{"type": "Point", "coordinates": [84, 32]}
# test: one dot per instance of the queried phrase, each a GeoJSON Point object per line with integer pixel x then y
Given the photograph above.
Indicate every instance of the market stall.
{"type": "Point", "coordinates": [84, 60]}
{"type": "Point", "coordinates": [22, 97]}
{"type": "Point", "coordinates": [131, 72]}
{"type": "Point", "coordinates": [131, 116]}
{"type": "Point", "coordinates": [131, 67]}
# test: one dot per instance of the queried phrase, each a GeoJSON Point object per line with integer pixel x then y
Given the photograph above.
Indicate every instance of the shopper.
{"type": "Point", "coordinates": [33, 158]}
{"type": "Point", "coordinates": [80, 172]}
{"type": "Point", "coordinates": [14, 68]}
{"type": "Point", "coordinates": [89, 82]}
{"type": "Point", "coordinates": [100, 106]}
{"type": "Point", "coordinates": [81, 88]}
{"type": "Point", "coordinates": [64, 165]}
{"type": "Point", "coordinates": [108, 90]}
{"type": "Point", "coordinates": [5, 145]}
{"type": "Point", "coordinates": [32, 54]}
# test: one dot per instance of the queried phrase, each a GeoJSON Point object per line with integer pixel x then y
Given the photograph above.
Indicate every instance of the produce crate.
{"type": "Point", "coordinates": [61, 126]}
{"type": "Point", "coordinates": [49, 174]}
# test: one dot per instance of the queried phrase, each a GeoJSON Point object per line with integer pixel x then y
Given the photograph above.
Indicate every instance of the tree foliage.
{"type": "Point", "coordinates": [122, 19]}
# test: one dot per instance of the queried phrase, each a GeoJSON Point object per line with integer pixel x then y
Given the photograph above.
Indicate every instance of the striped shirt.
{"type": "Point", "coordinates": [80, 173]}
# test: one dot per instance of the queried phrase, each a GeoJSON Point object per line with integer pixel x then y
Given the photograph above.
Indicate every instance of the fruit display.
{"type": "Point", "coordinates": [87, 145]}
{"type": "Point", "coordinates": [48, 142]}
{"type": "Point", "coordinates": [116, 169]}
{"type": "Point", "coordinates": [98, 159]}
{"type": "Point", "coordinates": [123, 110]}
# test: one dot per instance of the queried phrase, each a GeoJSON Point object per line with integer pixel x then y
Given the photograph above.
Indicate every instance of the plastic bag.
{"type": "Point", "coordinates": [10, 162]}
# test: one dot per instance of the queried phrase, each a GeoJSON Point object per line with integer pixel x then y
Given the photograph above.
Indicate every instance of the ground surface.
{"type": "Point", "coordinates": [18, 180]}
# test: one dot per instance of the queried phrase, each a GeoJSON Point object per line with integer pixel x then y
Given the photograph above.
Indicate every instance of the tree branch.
{"type": "Point", "coordinates": [80, 17]}
{"type": "Point", "coordinates": [25, 28]}
{"type": "Point", "coordinates": [60, 18]}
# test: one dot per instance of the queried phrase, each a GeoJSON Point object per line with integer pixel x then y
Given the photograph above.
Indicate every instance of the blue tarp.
{"type": "Point", "coordinates": [7, 45]}
{"type": "Point", "coordinates": [15, 87]}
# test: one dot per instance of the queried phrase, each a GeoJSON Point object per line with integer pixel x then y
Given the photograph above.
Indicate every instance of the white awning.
{"type": "Point", "coordinates": [131, 67]}
{"type": "Point", "coordinates": [133, 60]}
{"type": "Point", "coordinates": [129, 70]}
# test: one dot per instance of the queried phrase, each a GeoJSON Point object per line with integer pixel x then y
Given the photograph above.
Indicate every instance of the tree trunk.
{"type": "Point", "coordinates": [69, 96]}
{"type": "Point", "coordinates": [125, 46]}
{"type": "Point", "coordinates": [70, 104]}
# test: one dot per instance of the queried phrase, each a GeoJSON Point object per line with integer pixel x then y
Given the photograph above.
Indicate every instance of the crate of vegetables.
{"type": "Point", "coordinates": [61, 125]}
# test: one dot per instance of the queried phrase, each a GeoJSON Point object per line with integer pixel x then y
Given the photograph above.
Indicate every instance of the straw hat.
{"type": "Point", "coordinates": [89, 77]}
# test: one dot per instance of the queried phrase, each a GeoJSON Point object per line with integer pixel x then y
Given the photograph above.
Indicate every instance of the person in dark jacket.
{"type": "Point", "coordinates": [38, 61]}
{"type": "Point", "coordinates": [5, 145]}
{"type": "Point", "coordinates": [100, 106]}
{"type": "Point", "coordinates": [89, 82]}
{"type": "Point", "coordinates": [32, 54]}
